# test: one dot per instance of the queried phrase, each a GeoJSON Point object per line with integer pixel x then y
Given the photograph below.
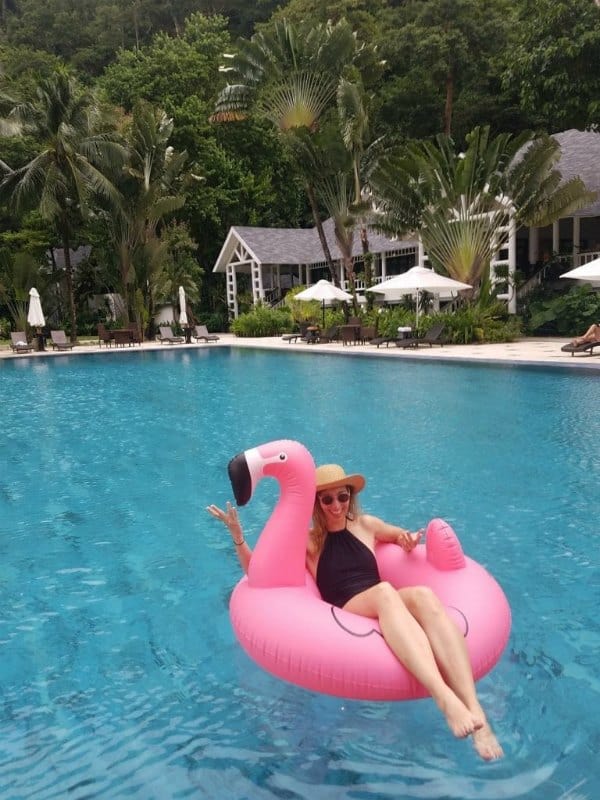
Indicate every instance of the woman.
{"type": "Point", "coordinates": [591, 335]}
{"type": "Point", "coordinates": [413, 621]}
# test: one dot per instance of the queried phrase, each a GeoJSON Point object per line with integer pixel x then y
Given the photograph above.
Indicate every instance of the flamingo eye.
{"type": "Point", "coordinates": [283, 456]}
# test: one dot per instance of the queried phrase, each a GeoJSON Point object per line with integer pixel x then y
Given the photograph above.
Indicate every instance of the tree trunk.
{"type": "Point", "coordinates": [367, 256]}
{"type": "Point", "coordinates": [136, 25]}
{"type": "Point", "coordinates": [449, 102]}
{"type": "Point", "coordinates": [335, 278]}
{"type": "Point", "coordinates": [69, 276]}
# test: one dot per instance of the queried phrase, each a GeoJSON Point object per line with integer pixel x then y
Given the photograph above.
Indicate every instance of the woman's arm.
{"type": "Point", "coordinates": [384, 532]}
{"type": "Point", "coordinates": [230, 519]}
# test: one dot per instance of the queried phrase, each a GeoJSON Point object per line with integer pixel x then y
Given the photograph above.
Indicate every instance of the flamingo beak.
{"type": "Point", "coordinates": [241, 481]}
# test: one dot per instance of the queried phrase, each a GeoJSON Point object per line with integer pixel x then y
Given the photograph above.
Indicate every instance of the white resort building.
{"type": "Point", "coordinates": [277, 259]}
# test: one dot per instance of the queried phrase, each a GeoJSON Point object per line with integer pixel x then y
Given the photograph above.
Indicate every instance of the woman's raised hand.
{"type": "Point", "coordinates": [229, 518]}
{"type": "Point", "coordinates": [408, 541]}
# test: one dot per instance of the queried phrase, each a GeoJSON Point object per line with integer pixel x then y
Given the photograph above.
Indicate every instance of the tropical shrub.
{"type": "Point", "coordinates": [388, 320]}
{"type": "Point", "coordinates": [262, 321]}
{"type": "Point", "coordinates": [215, 321]}
{"type": "Point", "coordinates": [474, 322]}
{"type": "Point", "coordinates": [566, 314]}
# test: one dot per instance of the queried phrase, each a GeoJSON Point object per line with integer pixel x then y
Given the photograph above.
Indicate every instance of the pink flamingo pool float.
{"type": "Point", "coordinates": [283, 624]}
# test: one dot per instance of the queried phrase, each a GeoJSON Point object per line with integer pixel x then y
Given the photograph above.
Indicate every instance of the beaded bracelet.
{"type": "Point", "coordinates": [239, 544]}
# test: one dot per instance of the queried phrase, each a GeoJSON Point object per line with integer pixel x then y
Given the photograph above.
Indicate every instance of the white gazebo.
{"type": "Point", "coordinates": [279, 258]}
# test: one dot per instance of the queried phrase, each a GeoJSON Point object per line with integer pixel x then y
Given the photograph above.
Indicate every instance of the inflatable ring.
{"type": "Point", "coordinates": [283, 624]}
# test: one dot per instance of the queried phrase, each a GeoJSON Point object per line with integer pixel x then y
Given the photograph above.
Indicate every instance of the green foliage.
{"type": "Point", "coordinates": [18, 273]}
{"type": "Point", "coordinates": [262, 321]}
{"type": "Point", "coordinates": [4, 328]}
{"type": "Point", "coordinates": [444, 64]}
{"type": "Point", "coordinates": [87, 33]}
{"type": "Point", "coordinates": [287, 74]}
{"type": "Point", "coordinates": [22, 68]}
{"type": "Point", "coordinates": [216, 321]}
{"type": "Point", "coordinates": [388, 320]}
{"type": "Point", "coordinates": [76, 156]}
{"type": "Point", "coordinates": [476, 323]}
{"type": "Point", "coordinates": [472, 322]}
{"type": "Point", "coordinates": [557, 49]}
{"type": "Point", "coordinates": [460, 201]}
{"type": "Point", "coordinates": [302, 310]}
{"type": "Point", "coordinates": [568, 314]}
{"type": "Point", "coordinates": [170, 69]}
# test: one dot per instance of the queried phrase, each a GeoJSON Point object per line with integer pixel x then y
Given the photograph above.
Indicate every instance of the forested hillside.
{"type": "Point", "coordinates": [424, 67]}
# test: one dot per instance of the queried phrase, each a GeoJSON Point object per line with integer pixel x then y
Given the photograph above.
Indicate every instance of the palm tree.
{"type": "Point", "coordinates": [77, 158]}
{"type": "Point", "coordinates": [327, 166]}
{"type": "Point", "coordinates": [286, 74]}
{"type": "Point", "coordinates": [150, 185]}
{"type": "Point", "coordinates": [353, 113]}
{"type": "Point", "coordinates": [461, 202]}
{"type": "Point", "coordinates": [289, 76]}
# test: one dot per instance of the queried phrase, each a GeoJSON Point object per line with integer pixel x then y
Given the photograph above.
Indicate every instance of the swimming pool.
{"type": "Point", "coordinates": [120, 676]}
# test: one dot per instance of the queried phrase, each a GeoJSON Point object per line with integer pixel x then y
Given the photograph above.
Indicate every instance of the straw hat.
{"type": "Point", "coordinates": [330, 476]}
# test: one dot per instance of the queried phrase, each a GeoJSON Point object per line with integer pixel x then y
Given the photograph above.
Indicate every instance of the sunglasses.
{"type": "Point", "coordinates": [327, 499]}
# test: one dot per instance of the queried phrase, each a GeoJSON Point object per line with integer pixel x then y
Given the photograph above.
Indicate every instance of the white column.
{"type": "Point", "coordinates": [231, 287]}
{"type": "Point", "coordinates": [258, 292]}
{"type": "Point", "coordinates": [512, 265]}
{"type": "Point", "coordinates": [383, 266]}
{"type": "Point", "coordinates": [421, 254]}
{"type": "Point", "coordinates": [556, 237]}
{"type": "Point", "coordinates": [576, 240]}
{"type": "Point", "coordinates": [534, 245]}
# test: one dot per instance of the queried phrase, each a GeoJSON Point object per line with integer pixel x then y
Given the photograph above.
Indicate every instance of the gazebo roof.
{"type": "Point", "coordinates": [296, 246]}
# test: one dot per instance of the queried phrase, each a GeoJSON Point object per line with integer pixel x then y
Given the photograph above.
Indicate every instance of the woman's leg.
{"type": "Point", "coordinates": [591, 335]}
{"type": "Point", "coordinates": [450, 652]}
{"type": "Point", "coordinates": [409, 643]}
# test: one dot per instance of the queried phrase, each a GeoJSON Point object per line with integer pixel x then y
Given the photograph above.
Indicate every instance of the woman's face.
{"type": "Point", "coordinates": [334, 504]}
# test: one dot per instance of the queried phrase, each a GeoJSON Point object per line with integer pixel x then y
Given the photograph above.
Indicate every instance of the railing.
{"type": "Point", "coordinates": [540, 276]}
{"type": "Point", "coordinates": [585, 258]}
{"type": "Point", "coordinates": [360, 285]}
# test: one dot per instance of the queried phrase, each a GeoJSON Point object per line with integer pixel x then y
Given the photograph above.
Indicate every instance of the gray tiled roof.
{"type": "Point", "coordinates": [301, 245]}
{"type": "Point", "coordinates": [77, 255]}
{"type": "Point", "coordinates": [580, 156]}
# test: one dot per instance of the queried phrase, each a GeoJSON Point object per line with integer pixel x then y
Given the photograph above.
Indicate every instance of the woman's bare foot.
{"type": "Point", "coordinates": [460, 720]}
{"type": "Point", "coordinates": [486, 744]}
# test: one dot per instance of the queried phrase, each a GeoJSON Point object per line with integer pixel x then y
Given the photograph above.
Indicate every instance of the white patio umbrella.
{"type": "Point", "coordinates": [325, 292]}
{"type": "Point", "coordinates": [35, 315]}
{"type": "Point", "coordinates": [417, 279]}
{"type": "Point", "coordinates": [183, 320]}
{"type": "Point", "coordinates": [586, 272]}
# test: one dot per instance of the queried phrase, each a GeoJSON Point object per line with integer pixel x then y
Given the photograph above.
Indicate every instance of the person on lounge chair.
{"type": "Point", "coordinates": [591, 335]}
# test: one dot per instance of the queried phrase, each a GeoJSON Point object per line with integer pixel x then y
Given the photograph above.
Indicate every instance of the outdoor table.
{"type": "Point", "coordinates": [41, 341]}
{"type": "Point", "coordinates": [404, 332]}
{"type": "Point", "coordinates": [312, 334]}
{"type": "Point", "coordinates": [122, 336]}
{"type": "Point", "coordinates": [188, 334]}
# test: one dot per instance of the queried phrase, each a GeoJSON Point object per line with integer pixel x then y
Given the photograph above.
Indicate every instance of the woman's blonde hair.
{"type": "Point", "coordinates": [318, 532]}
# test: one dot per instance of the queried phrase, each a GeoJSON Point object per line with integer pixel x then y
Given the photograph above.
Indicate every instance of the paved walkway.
{"type": "Point", "coordinates": [540, 352]}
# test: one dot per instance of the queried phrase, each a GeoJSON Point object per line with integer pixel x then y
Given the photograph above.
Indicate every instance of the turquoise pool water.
{"type": "Point", "coordinates": [119, 673]}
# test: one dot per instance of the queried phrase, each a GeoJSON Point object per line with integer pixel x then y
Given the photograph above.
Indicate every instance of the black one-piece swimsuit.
{"type": "Point", "coordinates": [346, 568]}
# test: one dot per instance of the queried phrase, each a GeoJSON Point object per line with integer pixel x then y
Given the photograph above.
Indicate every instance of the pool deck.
{"type": "Point", "coordinates": [533, 352]}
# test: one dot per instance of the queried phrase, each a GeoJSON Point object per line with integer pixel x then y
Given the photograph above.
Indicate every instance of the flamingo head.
{"type": "Point", "coordinates": [287, 461]}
